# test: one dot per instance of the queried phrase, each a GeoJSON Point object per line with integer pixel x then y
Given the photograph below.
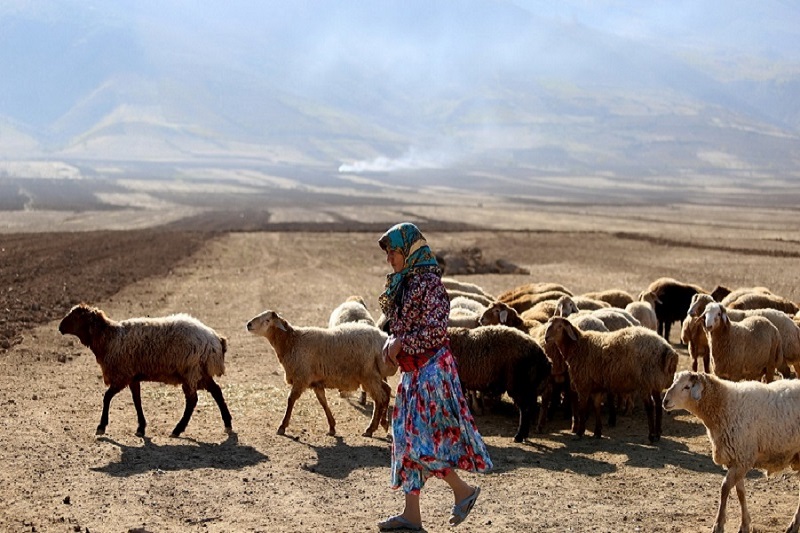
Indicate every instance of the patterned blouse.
{"type": "Point", "coordinates": [421, 322]}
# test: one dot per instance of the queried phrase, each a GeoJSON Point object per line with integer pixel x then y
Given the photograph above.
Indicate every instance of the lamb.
{"type": "Point", "coordinates": [673, 299]}
{"type": "Point", "coordinates": [614, 297]}
{"type": "Point", "coordinates": [749, 424]}
{"type": "Point", "coordinates": [790, 333]}
{"type": "Point", "coordinates": [644, 311]}
{"type": "Point", "coordinates": [498, 359]}
{"type": "Point", "coordinates": [354, 309]}
{"type": "Point", "coordinates": [634, 360]}
{"type": "Point", "coordinates": [344, 358]}
{"type": "Point", "coordinates": [176, 349]}
{"type": "Point", "coordinates": [748, 349]}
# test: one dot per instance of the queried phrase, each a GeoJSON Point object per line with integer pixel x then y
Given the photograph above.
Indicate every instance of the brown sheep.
{"type": "Point", "coordinates": [633, 360]}
{"type": "Point", "coordinates": [614, 297]}
{"type": "Point", "coordinates": [176, 349]}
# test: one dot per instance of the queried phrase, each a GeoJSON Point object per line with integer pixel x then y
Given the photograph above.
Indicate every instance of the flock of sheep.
{"type": "Point", "coordinates": [539, 344]}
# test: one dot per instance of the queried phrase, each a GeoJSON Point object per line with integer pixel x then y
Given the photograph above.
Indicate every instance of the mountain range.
{"type": "Point", "coordinates": [454, 92]}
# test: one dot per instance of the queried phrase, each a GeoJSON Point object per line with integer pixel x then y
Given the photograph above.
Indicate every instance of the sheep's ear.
{"type": "Point", "coordinates": [281, 323]}
{"type": "Point", "coordinates": [503, 315]}
{"type": "Point", "coordinates": [726, 319]}
{"type": "Point", "coordinates": [697, 389]}
{"type": "Point", "coordinates": [570, 331]}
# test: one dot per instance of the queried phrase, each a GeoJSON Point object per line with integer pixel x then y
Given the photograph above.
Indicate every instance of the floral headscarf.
{"type": "Point", "coordinates": [406, 238]}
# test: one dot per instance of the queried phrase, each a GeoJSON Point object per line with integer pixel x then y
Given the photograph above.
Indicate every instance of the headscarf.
{"type": "Point", "coordinates": [408, 239]}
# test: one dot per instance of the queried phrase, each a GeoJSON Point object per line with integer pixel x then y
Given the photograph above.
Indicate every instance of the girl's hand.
{"type": "Point", "coordinates": [391, 348]}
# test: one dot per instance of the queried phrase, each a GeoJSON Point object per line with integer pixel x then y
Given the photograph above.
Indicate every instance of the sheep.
{"type": "Point", "coordinates": [540, 312]}
{"type": "Point", "coordinates": [644, 311]}
{"type": "Point", "coordinates": [734, 295]}
{"type": "Point", "coordinates": [614, 297]}
{"type": "Point", "coordinates": [532, 288]}
{"type": "Point", "coordinates": [673, 298]}
{"type": "Point", "coordinates": [498, 359]}
{"type": "Point", "coordinates": [501, 314]}
{"type": "Point", "coordinates": [559, 382]}
{"type": "Point", "coordinates": [524, 302]}
{"type": "Point", "coordinates": [749, 425]}
{"type": "Point", "coordinates": [748, 349]}
{"type": "Point", "coordinates": [613, 318]}
{"type": "Point", "coordinates": [764, 301]}
{"type": "Point", "coordinates": [483, 300]}
{"type": "Point", "coordinates": [790, 333]}
{"type": "Point", "coordinates": [463, 286]}
{"type": "Point", "coordinates": [176, 350]}
{"type": "Point", "coordinates": [354, 309]}
{"type": "Point", "coordinates": [633, 360]}
{"type": "Point", "coordinates": [720, 292]}
{"type": "Point", "coordinates": [344, 357]}
{"type": "Point", "coordinates": [693, 334]}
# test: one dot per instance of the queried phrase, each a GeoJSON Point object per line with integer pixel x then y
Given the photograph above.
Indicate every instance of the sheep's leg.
{"type": "Point", "coordinates": [525, 405]}
{"type": "Point", "coordinates": [695, 364]}
{"type": "Point", "coordinates": [110, 393]}
{"type": "Point", "coordinates": [387, 391]}
{"type": "Point", "coordinates": [650, 411]}
{"type": "Point", "coordinates": [742, 495]}
{"type": "Point", "coordinates": [657, 398]}
{"type": "Point", "coordinates": [379, 392]}
{"type": "Point", "coordinates": [136, 393]}
{"type": "Point", "coordinates": [732, 478]}
{"type": "Point", "coordinates": [216, 393]}
{"type": "Point", "coordinates": [612, 409]}
{"type": "Point", "coordinates": [191, 403]}
{"type": "Point", "coordinates": [583, 415]}
{"type": "Point", "coordinates": [597, 400]}
{"type": "Point", "coordinates": [707, 363]}
{"type": "Point", "coordinates": [547, 400]}
{"type": "Point", "coordinates": [294, 394]}
{"type": "Point", "coordinates": [323, 401]}
{"type": "Point", "coordinates": [794, 526]}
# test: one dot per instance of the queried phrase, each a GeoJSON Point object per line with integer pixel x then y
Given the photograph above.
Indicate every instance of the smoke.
{"type": "Point", "coordinates": [411, 160]}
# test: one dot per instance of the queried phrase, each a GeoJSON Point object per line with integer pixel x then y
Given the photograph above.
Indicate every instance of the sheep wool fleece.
{"type": "Point", "coordinates": [433, 429]}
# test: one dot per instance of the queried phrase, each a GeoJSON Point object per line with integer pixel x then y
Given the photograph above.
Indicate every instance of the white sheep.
{"type": "Point", "coordinates": [176, 349]}
{"type": "Point", "coordinates": [613, 317]}
{"type": "Point", "coordinates": [749, 424]}
{"type": "Point", "coordinates": [748, 349]}
{"type": "Point", "coordinates": [644, 310]}
{"type": "Point", "coordinates": [633, 360]}
{"type": "Point", "coordinates": [344, 358]}
{"type": "Point", "coordinates": [788, 328]}
{"type": "Point", "coordinates": [354, 309]}
{"type": "Point", "coordinates": [463, 286]}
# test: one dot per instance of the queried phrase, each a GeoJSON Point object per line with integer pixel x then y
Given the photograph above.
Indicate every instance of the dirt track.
{"type": "Point", "coordinates": [58, 477]}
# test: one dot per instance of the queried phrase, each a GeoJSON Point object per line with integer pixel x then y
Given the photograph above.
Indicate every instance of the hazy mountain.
{"type": "Point", "coordinates": [528, 87]}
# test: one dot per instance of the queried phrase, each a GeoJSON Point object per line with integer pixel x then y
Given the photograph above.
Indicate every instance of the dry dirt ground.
{"type": "Point", "coordinates": [57, 476]}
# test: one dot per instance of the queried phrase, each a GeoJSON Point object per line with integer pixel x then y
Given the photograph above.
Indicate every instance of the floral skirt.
{"type": "Point", "coordinates": [432, 428]}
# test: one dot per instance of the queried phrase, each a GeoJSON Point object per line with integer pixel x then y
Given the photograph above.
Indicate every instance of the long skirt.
{"type": "Point", "coordinates": [432, 428]}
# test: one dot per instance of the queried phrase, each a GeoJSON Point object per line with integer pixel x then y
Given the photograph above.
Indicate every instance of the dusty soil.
{"type": "Point", "coordinates": [57, 476]}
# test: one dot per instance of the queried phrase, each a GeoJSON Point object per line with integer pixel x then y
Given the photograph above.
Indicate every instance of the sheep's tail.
{"type": "Point", "coordinates": [215, 359]}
